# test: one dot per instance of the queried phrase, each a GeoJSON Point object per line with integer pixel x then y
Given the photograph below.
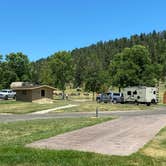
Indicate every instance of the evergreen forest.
{"type": "Point", "coordinates": [138, 60]}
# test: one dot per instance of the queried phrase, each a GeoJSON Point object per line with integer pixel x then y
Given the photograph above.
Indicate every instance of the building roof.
{"type": "Point", "coordinates": [33, 87]}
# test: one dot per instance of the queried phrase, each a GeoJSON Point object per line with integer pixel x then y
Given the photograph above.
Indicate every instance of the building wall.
{"type": "Point", "coordinates": [24, 95]}
{"type": "Point", "coordinates": [36, 94]}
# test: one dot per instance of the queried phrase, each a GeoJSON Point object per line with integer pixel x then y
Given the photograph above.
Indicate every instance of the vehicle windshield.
{"type": "Point", "coordinates": [116, 94]}
{"type": "Point", "coordinates": [4, 91]}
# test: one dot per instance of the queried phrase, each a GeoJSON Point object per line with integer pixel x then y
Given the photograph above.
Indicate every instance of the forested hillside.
{"type": "Point", "coordinates": [138, 60]}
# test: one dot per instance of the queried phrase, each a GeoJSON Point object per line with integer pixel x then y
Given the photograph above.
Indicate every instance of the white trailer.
{"type": "Point", "coordinates": [140, 94]}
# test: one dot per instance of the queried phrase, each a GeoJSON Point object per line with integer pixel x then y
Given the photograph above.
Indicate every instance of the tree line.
{"type": "Point", "coordinates": [138, 60]}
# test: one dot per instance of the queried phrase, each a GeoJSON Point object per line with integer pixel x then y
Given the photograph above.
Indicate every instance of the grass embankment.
{"type": "Point", "coordinates": [27, 107]}
{"type": "Point", "coordinates": [14, 136]}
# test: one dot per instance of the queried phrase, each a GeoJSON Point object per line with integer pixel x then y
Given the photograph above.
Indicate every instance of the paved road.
{"type": "Point", "coordinates": [11, 118]}
{"type": "Point", "coordinates": [122, 136]}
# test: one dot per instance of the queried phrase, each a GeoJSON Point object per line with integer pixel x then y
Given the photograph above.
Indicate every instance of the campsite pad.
{"type": "Point", "coordinates": [122, 136]}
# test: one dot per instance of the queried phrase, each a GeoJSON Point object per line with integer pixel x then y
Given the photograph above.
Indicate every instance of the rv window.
{"type": "Point", "coordinates": [154, 92]}
{"type": "Point", "coordinates": [135, 92]}
{"type": "Point", "coordinates": [129, 93]}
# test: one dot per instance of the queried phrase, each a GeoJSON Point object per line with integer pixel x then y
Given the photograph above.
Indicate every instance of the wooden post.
{"type": "Point", "coordinates": [97, 112]}
{"type": "Point", "coordinates": [164, 98]}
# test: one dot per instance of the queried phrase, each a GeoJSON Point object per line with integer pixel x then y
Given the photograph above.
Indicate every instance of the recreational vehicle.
{"type": "Point", "coordinates": [140, 94]}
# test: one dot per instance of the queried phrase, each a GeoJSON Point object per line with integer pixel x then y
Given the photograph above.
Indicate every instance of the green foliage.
{"type": "Point", "coordinates": [61, 67]}
{"type": "Point", "coordinates": [45, 74]}
{"type": "Point", "coordinates": [92, 73]}
{"type": "Point", "coordinates": [132, 67]}
{"type": "Point", "coordinates": [139, 60]}
{"type": "Point", "coordinates": [19, 64]}
{"type": "Point", "coordinates": [15, 68]}
{"type": "Point", "coordinates": [1, 70]}
{"type": "Point", "coordinates": [106, 52]}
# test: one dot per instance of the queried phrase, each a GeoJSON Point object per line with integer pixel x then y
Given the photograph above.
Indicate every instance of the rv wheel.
{"type": "Point", "coordinates": [98, 100]}
{"type": "Point", "coordinates": [6, 97]}
{"type": "Point", "coordinates": [148, 104]}
{"type": "Point", "coordinates": [136, 102]}
{"type": "Point", "coordinates": [153, 101]}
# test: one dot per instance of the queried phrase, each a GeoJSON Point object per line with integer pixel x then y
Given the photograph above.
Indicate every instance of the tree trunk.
{"type": "Point", "coordinates": [63, 95]}
{"type": "Point", "coordinates": [119, 89]}
{"type": "Point", "coordinates": [93, 96]}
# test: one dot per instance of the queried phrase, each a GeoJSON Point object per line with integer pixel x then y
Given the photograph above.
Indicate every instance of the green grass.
{"type": "Point", "coordinates": [14, 136]}
{"type": "Point", "coordinates": [91, 106]}
{"type": "Point", "coordinates": [88, 106]}
{"type": "Point", "coordinates": [11, 106]}
{"type": "Point", "coordinates": [157, 147]}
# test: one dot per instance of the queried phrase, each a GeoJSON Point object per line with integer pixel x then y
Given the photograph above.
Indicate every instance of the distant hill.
{"type": "Point", "coordinates": [90, 66]}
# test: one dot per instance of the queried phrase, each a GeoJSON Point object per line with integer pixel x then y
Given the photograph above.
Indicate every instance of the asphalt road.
{"type": "Point", "coordinates": [159, 110]}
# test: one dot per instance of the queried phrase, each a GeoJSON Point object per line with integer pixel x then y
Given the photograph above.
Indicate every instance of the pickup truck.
{"type": "Point", "coordinates": [7, 93]}
{"type": "Point", "coordinates": [110, 97]}
{"type": "Point", "coordinates": [104, 97]}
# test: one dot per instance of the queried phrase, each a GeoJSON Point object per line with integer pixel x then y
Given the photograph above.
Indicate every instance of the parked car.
{"type": "Point", "coordinates": [7, 93]}
{"type": "Point", "coordinates": [110, 97]}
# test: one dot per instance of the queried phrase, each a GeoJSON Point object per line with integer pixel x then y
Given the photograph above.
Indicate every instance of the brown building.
{"type": "Point", "coordinates": [33, 93]}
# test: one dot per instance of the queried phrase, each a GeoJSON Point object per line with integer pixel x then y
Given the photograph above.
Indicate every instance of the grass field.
{"type": "Point", "coordinates": [14, 136]}
{"type": "Point", "coordinates": [27, 107]}
{"type": "Point", "coordinates": [91, 106]}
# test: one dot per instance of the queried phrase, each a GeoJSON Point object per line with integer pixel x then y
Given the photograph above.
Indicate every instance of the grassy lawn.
{"type": "Point", "coordinates": [27, 107]}
{"type": "Point", "coordinates": [14, 136]}
{"type": "Point", "coordinates": [91, 106]}
{"type": "Point", "coordinates": [156, 147]}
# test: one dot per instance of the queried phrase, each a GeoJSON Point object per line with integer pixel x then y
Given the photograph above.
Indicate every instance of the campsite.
{"type": "Point", "coordinates": [82, 83]}
{"type": "Point", "coordinates": [46, 124]}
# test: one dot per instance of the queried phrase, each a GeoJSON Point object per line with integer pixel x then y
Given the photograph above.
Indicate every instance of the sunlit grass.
{"type": "Point", "coordinates": [14, 137]}
{"type": "Point", "coordinates": [92, 105]}
{"type": "Point", "coordinates": [27, 107]}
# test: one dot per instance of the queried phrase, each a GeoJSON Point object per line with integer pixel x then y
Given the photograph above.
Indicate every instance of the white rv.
{"type": "Point", "coordinates": [140, 94]}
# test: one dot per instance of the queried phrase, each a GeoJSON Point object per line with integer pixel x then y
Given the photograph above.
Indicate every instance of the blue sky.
{"type": "Point", "coordinates": [38, 28]}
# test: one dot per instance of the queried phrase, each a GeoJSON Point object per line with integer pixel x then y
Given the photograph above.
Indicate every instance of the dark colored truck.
{"type": "Point", "coordinates": [110, 97]}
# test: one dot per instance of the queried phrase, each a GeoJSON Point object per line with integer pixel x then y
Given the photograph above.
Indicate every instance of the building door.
{"type": "Point", "coordinates": [42, 93]}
